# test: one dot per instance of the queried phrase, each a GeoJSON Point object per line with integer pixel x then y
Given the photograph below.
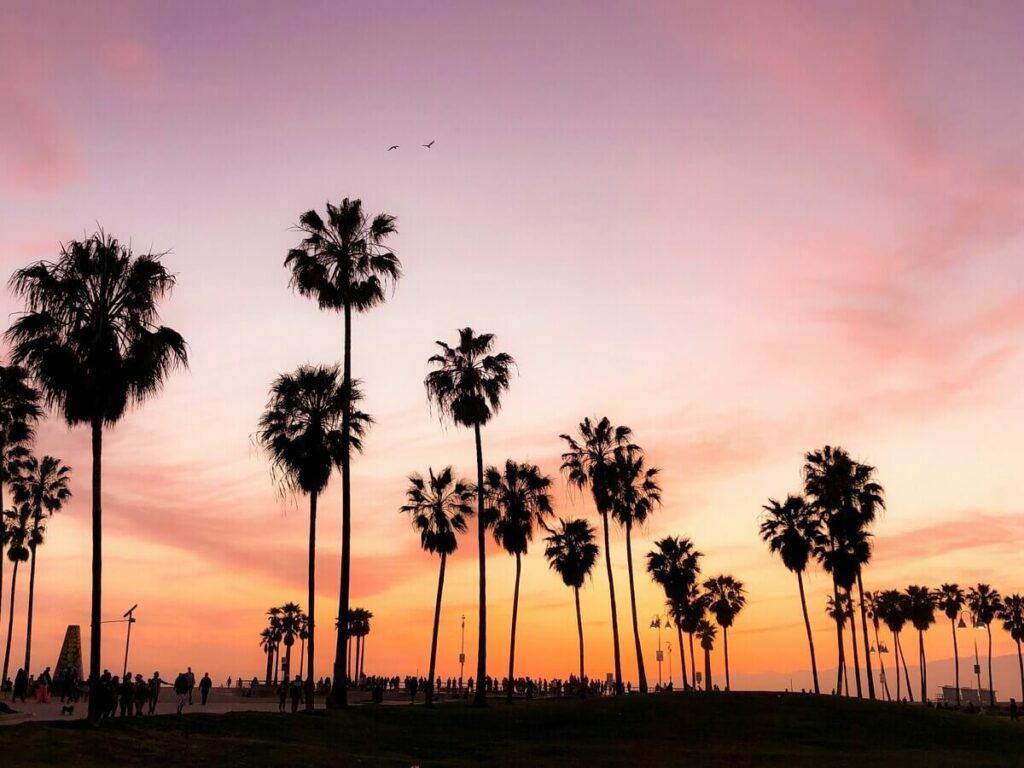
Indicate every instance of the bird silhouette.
{"type": "Point", "coordinates": [393, 146]}
{"type": "Point", "coordinates": [428, 146]}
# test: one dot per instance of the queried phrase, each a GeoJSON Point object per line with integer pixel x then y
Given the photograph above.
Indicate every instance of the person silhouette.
{"type": "Point", "coordinates": [204, 687]}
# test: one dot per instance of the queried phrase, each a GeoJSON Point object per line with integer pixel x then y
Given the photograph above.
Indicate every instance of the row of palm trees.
{"type": "Point", "coordinates": [285, 624]}
{"type": "Point", "coordinates": [39, 488]}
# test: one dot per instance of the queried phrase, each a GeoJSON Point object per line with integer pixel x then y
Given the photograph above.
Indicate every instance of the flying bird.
{"type": "Point", "coordinates": [428, 146]}
{"type": "Point", "coordinates": [393, 146]}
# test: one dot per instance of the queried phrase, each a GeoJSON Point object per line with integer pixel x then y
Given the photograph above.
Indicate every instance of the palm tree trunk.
{"type": "Point", "coordinates": [433, 637]}
{"type": "Point", "coordinates": [991, 693]}
{"type": "Point", "coordinates": [270, 664]}
{"type": "Point", "coordinates": [515, 615]}
{"type": "Point", "coordinates": [906, 670]}
{"type": "Point", "coordinates": [956, 660]}
{"type": "Point", "coordinates": [362, 655]}
{"type": "Point", "coordinates": [1020, 664]}
{"type": "Point", "coordinates": [707, 670]}
{"type": "Point", "coordinates": [924, 667]}
{"type": "Point", "coordinates": [807, 625]}
{"type": "Point", "coordinates": [3, 453]}
{"type": "Point", "coordinates": [480, 695]}
{"type": "Point", "coordinates": [339, 693]}
{"type": "Point", "coordinates": [10, 622]}
{"type": "Point", "coordinates": [853, 643]}
{"type": "Point", "coordinates": [287, 662]}
{"type": "Point", "coordinates": [277, 664]}
{"type": "Point", "coordinates": [839, 637]}
{"type": "Point", "coordinates": [693, 662]}
{"type": "Point", "coordinates": [881, 663]}
{"type": "Point", "coordinates": [311, 600]}
{"type": "Point", "coordinates": [348, 663]}
{"type": "Point", "coordinates": [96, 696]}
{"type": "Point", "coordinates": [725, 647]}
{"type": "Point", "coordinates": [359, 655]}
{"type": "Point", "coordinates": [641, 672]}
{"type": "Point", "coordinates": [31, 602]}
{"type": "Point", "coordinates": [896, 654]}
{"type": "Point", "coordinates": [682, 656]}
{"type": "Point", "coordinates": [302, 656]}
{"type": "Point", "coordinates": [615, 614]}
{"type": "Point", "coordinates": [579, 629]}
{"type": "Point", "coordinates": [864, 634]}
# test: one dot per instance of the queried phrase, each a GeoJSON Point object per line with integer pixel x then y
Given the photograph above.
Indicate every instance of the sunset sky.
{"type": "Point", "coordinates": [744, 234]}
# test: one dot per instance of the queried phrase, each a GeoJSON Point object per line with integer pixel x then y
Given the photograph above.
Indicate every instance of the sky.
{"type": "Point", "coordinates": [746, 230]}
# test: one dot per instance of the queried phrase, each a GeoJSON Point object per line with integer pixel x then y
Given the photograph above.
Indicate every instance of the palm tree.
{"type": "Point", "coordinates": [726, 598]}
{"type": "Point", "coordinates": [890, 606]}
{"type": "Point", "coordinates": [19, 522]}
{"type": "Point", "coordinates": [589, 461]}
{"type": "Point", "coordinates": [302, 625]}
{"type": "Point", "coordinates": [985, 603]}
{"type": "Point", "coordinates": [300, 430]}
{"type": "Point", "coordinates": [438, 505]}
{"type": "Point", "coordinates": [1012, 614]}
{"type": "Point", "coordinates": [706, 633]}
{"type": "Point", "coordinates": [688, 611]}
{"type": "Point", "coordinates": [344, 263]}
{"type": "Point", "coordinates": [950, 599]}
{"type": "Point", "coordinates": [91, 339]}
{"type": "Point", "coordinates": [362, 630]}
{"type": "Point", "coordinates": [920, 609]}
{"type": "Point", "coordinates": [674, 565]}
{"type": "Point", "coordinates": [636, 494]}
{"type": "Point", "coordinates": [268, 644]}
{"type": "Point", "coordinates": [43, 487]}
{"type": "Point", "coordinates": [572, 553]}
{"type": "Point", "coordinates": [793, 531]}
{"type": "Point", "coordinates": [466, 385]}
{"type": "Point", "coordinates": [840, 611]}
{"type": "Point", "coordinates": [871, 599]}
{"type": "Point", "coordinates": [517, 499]}
{"type": "Point", "coordinates": [290, 625]}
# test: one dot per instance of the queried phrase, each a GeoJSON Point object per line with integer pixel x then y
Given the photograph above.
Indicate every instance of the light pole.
{"type": "Point", "coordinates": [462, 652]}
{"type": "Point", "coordinates": [657, 623]}
{"type": "Point", "coordinates": [882, 648]}
{"type": "Point", "coordinates": [977, 661]}
{"type": "Point", "coordinates": [128, 618]}
{"type": "Point", "coordinates": [668, 645]}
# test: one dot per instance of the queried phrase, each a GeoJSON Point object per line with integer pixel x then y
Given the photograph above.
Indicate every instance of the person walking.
{"type": "Point", "coordinates": [181, 690]}
{"type": "Point", "coordinates": [154, 691]}
{"type": "Point", "coordinates": [204, 687]}
{"type": "Point", "coordinates": [20, 686]}
{"type": "Point", "coordinates": [282, 695]}
{"type": "Point", "coordinates": [126, 695]}
{"type": "Point", "coordinates": [191, 684]}
{"type": "Point", "coordinates": [296, 691]}
{"type": "Point", "coordinates": [141, 694]}
{"type": "Point", "coordinates": [43, 687]}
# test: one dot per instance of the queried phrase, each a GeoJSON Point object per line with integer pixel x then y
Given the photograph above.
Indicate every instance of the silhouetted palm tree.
{"type": "Point", "coordinates": [91, 340]}
{"type": "Point", "coordinates": [920, 609]}
{"type": "Point", "coordinates": [891, 608]}
{"type": "Point", "coordinates": [688, 612]}
{"type": "Point", "coordinates": [438, 506]}
{"type": "Point", "coordinates": [1012, 614]}
{"type": "Point", "coordinates": [302, 629]}
{"type": "Point", "coordinates": [466, 385]}
{"type": "Point", "coordinates": [985, 603]}
{"type": "Point", "coordinates": [792, 530]}
{"type": "Point", "coordinates": [43, 487]}
{"type": "Point", "coordinates": [726, 598]}
{"type": "Point", "coordinates": [274, 625]}
{"type": "Point", "coordinates": [590, 462]}
{"type": "Point", "coordinates": [871, 601]}
{"type": "Point", "coordinates": [268, 644]}
{"type": "Point", "coordinates": [572, 553]}
{"type": "Point", "coordinates": [290, 625]}
{"type": "Point", "coordinates": [344, 263]}
{"type": "Point", "coordinates": [674, 566]}
{"type": "Point", "coordinates": [19, 526]}
{"type": "Point", "coordinates": [358, 629]}
{"type": "Point", "coordinates": [517, 499]}
{"type": "Point", "coordinates": [636, 495]}
{"type": "Point", "coordinates": [840, 611]}
{"type": "Point", "coordinates": [706, 633]}
{"type": "Point", "coordinates": [950, 600]}
{"type": "Point", "coordinates": [301, 432]}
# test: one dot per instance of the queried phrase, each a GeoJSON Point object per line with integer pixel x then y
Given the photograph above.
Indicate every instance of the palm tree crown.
{"type": "Point", "coordinates": [726, 598]}
{"type": "Point", "coordinates": [791, 530]}
{"type": "Point", "coordinates": [517, 498]}
{"type": "Point", "coordinates": [469, 378]}
{"type": "Point", "coordinates": [438, 507]}
{"type": "Point", "coordinates": [572, 551]}
{"type": "Point", "coordinates": [590, 458]}
{"type": "Point", "coordinates": [674, 565]}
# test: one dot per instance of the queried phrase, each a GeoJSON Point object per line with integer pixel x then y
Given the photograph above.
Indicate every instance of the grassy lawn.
{"type": "Point", "coordinates": [664, 729]}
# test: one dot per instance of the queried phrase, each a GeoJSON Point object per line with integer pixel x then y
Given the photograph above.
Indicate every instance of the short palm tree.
{"type": "Point", "coordinates": [290, 625]}
{"type": "Point", "coordinates": [636, 495]}
{"type": "Point", "coordinates": [466, 384]}
{"type": "Point", "coordinates": [518, 500]}
{"type": "Point", "coordinates": [920, 607]}
{"type": "Point", "coordinates": [44, 488]}
{"type": "Point", "coordinates": [300, 431]}
{"type": "Point", "coordinates": [572, 554]}
{"type": "Point", "coordinates": [438, 506]}
{"type": "Point", "coordinates": [871, 601]}
{"type": "Point", "coordinates": [359, 624]}
{"type": "Point", "coordinates": [841, 612]}
{"type": "Point", "coordinates": [344, 263]}
{"type": "Point", "coordinates": [674, 565]}
{"type": "Point", "coordinates": [589, 461]}
{"type": "Point", "coordinates": [91, 339]}
{"type": "Point", "coordinates": [706, 633]}
{"type": "Point", "coordinates": [1012, 614]}
{"type": "Point", "coordinates": [793, 531]}
{"type": "Point", "coordinates": [268, 644]}
{"type": "Point", "coordinates": [19, 528]}
{"type": "Point", "coordinates": [950, 600]}
{"type": "Point", "coordinates": [687, 612]}
{"type": "Point", "coordinates": [985, 603]}
{"type": "Point", "coordinates": [890, 606]}
{"type": "Point", "coordinates": [726, 598]}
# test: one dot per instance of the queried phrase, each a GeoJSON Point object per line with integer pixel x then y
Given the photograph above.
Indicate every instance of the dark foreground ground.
{"type": "Point", "coordinates": [664, 729]}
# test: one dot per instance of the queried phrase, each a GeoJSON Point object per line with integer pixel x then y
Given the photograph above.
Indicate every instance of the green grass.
{"type": "Point", "coordinates": [666, 729]}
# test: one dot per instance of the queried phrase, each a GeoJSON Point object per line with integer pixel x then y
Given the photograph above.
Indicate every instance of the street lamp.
{"type": "Point", "coordinates": [657, 623]}
{"type": "Point", "coordinates": [882, 648]}
{"type": "Point", "coordinates": [462, 652]}
{"type": "Point", "coordinates": [961, 624]}
{"type": "Point", "coordinates": [128, 618]}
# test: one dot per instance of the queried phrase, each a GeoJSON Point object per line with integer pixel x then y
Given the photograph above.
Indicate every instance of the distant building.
{"type": "Point", "coordinates": [967, 696]}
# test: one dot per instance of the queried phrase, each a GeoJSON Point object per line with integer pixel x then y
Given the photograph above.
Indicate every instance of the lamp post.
{"type": "Point", "coordinates": [657, 623]}
{"type": "Point", "coordinates": [882, 648]}
{"type": "Point", "coordinates": [129, 619]}
{"type": "Point", "coordinates": [961, 624]}
{"type": "Point", "coordinates": [668, 645]}
{"type": "Point", "coordinates": [462, 652]}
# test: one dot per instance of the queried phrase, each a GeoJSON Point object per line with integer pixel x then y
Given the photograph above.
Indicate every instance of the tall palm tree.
{"type": "Point", "coordinates": [871, 599]}
{"type": "Point", "coordinates": [636, 495]}
{"type": "Point", "coordinates": [300, 430]}
{"type": "Point", "coordinates": [674, 565]}
{"type": "Point", "coordinates": [726, 598]}
{"type": "Point", "coordinates": [792, 530]}
{"type": "Point", "coordinates": [706, 633]}
{"type": "Point", "coordinates": [91, 339]}
{"type": "Point", "coordinates": [920, 607]}
{"type": "Point", "coordinates": [890, 605]}
{"type": "Point", "coordinates": [1012, 614]}
{"type": "Point", "coordinates": [518, 499]}
{"type": "Point", "coordinates": [950, 599]}
{"type": "Point", "coordinates": [466, 384]}
{"type": "Point", "coordinates": [589, 462]}
{"type": "Point", "coordinates": [688, 611]}
{"type": "Point", "coordinates": [840, 611]}
{"type": "Point", "coordinates": [302, 629]}
{"type": "Point", "coordinates": [985, 603]}
{"type": "Point", "coordinates": [572, 553]}
{"type": "Point", "coordinates": [19, 412]}
{"type": "Point", "coordinates": [345, 264]}
{"type": "Point", "coordinates": [19, 526]}
{"type": "Point", "coordinates": [438, 505]}
{"type": "Point", "coordinates": [44, 488]}
{"type": "Point", "coordinates": [268, 644]}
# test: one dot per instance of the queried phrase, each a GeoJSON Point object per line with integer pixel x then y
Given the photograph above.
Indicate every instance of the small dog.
{"type": "Point", "coordinates": [67, 709]}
